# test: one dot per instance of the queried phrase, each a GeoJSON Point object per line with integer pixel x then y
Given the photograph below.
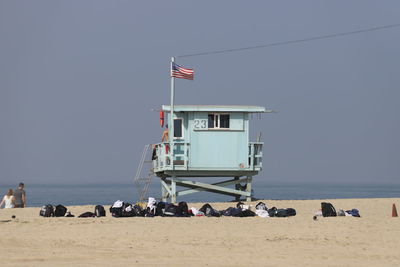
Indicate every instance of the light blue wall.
{"type": "Point", "coordinates": [219, 149]}
{"type": "Point", "coordinates": [215, 149]}
{"type": "Point", "coordinates": [237, 121]}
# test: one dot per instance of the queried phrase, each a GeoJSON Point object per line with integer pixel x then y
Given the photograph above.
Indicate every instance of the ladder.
{"type": "Point", "coordinates": [142, 180]}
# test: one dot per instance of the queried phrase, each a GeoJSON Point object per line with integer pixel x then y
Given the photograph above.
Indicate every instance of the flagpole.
{"type": "Point", "coordinates": [171, 125]}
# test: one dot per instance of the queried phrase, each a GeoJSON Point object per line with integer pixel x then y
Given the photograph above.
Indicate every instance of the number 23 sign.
{"type": "Point", "coordinates": [200, 124]}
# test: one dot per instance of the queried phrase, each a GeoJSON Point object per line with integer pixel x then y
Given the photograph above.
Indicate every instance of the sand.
{"type": "Point", "coordinates": [372, 240]}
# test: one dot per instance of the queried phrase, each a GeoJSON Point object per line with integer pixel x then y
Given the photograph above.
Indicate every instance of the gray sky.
{"type": "Point", "coordinates": [78, 80]}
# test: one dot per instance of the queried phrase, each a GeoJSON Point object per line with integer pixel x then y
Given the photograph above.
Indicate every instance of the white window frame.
{"type": "Point", "coordinates": [217, 121]}
{"type": "Point", "coordinates": [183, 130]}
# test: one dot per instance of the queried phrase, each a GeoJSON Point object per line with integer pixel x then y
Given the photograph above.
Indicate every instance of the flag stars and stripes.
{"type": "Point", "coordinates": [182, 73]}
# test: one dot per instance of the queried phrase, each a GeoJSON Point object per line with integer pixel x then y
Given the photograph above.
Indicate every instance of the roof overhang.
{"type": "Point", "coordinates": [216, 108]}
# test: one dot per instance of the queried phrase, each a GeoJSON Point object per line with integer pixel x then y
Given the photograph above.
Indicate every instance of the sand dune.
{"type": "Point", "coordinates": [372, 240]}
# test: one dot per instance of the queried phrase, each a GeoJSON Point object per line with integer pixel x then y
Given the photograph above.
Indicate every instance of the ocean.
{"type": "Point", "coordinates": [106, 194]}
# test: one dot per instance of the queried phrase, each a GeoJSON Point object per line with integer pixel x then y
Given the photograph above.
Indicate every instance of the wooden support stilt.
{"type": "Point", "coordinates": [237, 187]}
{"type": "Point", "coordinates": [248, 187]}
{"type": "Point", "coordinates": [173, 190]}
{"type": "Point", "coordinates": [165, 190]}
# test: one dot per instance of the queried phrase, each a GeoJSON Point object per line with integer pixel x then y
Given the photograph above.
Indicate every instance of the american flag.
{"type": "Point", "coordinates": [183, 73]}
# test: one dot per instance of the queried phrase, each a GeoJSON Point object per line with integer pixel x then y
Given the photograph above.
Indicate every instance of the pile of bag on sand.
{"type": "Point", "coordinates": [61, 211]}
{"type": "Point", "coordinates": [165, 209]}
{"type": "Point", "coordinates": [328, 210]}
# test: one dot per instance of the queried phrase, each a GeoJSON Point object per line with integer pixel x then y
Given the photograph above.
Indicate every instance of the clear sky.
{"type": "Point", "coordinates": [78, 80]}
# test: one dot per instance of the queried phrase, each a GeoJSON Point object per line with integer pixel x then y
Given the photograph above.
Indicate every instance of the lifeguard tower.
{"type": "Point", "coordinates": [208, 141]}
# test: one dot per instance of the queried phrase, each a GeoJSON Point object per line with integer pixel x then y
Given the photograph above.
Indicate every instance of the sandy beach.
{"type": "Point", "coordinates": [372, 240]}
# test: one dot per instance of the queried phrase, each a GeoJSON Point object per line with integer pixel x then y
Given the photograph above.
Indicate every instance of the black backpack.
{"type": "Point", "coordinates": [47, 211]}
{"type": "Point", "coordinates": [116, 210]}
{"type": "Point", "coordinates": [284, 212]}
{"type": "Point", "coordinates": [328, 210]}
{"type": "Point", "coordinates": [209, 211]}
{"type": "Point", "coordinates": [272, 211]}
{"type": "Point", "coordinates": [138, 211]}
{"type": "Point", "coordinates": [160, 208]}
{"type": "Point", "coordinates": [183, 209]}
{"type": "Point", "coordinates": [60, 211]}
{"type": "Point", "coordinates": [99, 211]}
{"type": "Point", "coordinates": [170, 210]}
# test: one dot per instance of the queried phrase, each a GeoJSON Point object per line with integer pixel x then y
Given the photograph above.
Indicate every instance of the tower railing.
{"type": "Point", "coordinates": [255, 155]}
{"type": "Point", "coordinates": [162, 157]}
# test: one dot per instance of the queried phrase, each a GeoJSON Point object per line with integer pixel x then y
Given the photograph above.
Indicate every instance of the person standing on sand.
{"type": "Point", "coordinates": [8, 200]}
{"type": "Point", "coordinates": [20, 196]}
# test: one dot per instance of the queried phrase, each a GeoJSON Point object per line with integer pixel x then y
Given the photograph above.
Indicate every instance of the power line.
{"type": "Point", "coordinates": [328, 36]}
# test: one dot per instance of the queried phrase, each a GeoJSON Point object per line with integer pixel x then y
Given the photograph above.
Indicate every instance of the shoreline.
{"type": "Point", "coordinates": [371, 240]}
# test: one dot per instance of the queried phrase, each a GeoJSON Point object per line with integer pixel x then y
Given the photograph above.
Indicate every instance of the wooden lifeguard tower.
{"type": "Point", "coordinates": [204, 141]}
{"type": "Point", "coordinates": [208, 141]}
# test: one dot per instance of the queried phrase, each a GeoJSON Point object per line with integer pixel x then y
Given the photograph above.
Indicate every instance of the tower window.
{"type": "Point", "coordinates": [178, 128]}
{"type": "Point", "coordinates": [218, 121]}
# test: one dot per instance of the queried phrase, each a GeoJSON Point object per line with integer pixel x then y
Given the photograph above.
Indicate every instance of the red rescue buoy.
{"type": "Point", "coordinates": [162, 118]}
